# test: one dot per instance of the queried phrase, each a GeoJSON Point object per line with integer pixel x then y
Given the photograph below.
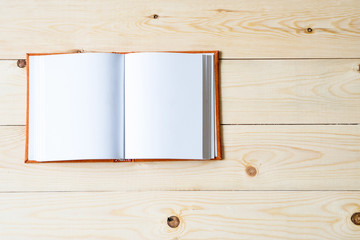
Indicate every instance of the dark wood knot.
{"type": "Point", "coordinates": [173, 221]}
{"type": "Point", "coordinates": [309, 30]}
{"type": "Point", "coordinates": [155, 16]}
{"type": "Point", "coordinates": [251, 171]}
{"type": "Point", "coordinates": [21, 63]}
{"type": "Point", "coordinates": [355, 218]}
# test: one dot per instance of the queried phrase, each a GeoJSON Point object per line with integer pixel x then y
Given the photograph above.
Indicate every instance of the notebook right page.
{"type": "Point", "coordinates": [163, 106]}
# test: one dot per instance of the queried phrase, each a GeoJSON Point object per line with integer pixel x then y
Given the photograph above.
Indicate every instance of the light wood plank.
{"type": "Point", "coordinates": [203, 215]}
{"type": "Point", "coordinates": [252, 91]}
{"type": "Point", "coordinates": [284, 158]}
{"type": "Point", "coordinates": [12, 94]}
{"type": "Point", "coordinates": [290, 91]}
{"type": "Point", "coordinates": [240, 29]}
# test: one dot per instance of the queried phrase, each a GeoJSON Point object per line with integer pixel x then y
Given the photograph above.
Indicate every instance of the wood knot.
{"type": "Point", "coordinates": [173, 221]}
{"type": "Point", "coordinates": [21, 63]}
{"type": "Point", "coordinates": [309, 30]}
{"type": "Point", "coordinates": [251, 171]}
{"type": "Point", "coordinates": [355, 218]}
{"type": "Point", "coordinates": [155, 16]}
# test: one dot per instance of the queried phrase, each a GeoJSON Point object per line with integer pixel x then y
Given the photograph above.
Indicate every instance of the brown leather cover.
{"type": "Point", "coordinates": [217, 114]}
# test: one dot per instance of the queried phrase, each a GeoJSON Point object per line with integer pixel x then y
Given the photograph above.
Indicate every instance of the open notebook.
{"type": "Point", "coordinates": [123, 107]}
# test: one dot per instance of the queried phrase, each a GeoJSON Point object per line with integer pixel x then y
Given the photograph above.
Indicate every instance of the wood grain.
{"type": "Point", "coordinates": [12, 93]}
{"type": "Point", "coordinates": [281, 158]}
{"type": "Point", "coordinates": [240, 29]}
{"type": "Point", "coordinates": [203, 215]}
{"type": "Point", "coordinates": [252, 91]}
{"type": "Point", "coordinates": [295, 91]}
{"type": "Point", "coordinates": [269, 162]}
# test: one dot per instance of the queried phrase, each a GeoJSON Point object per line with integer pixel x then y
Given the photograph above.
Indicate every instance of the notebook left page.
{"type": "Point", "coordinates": [76, 104]}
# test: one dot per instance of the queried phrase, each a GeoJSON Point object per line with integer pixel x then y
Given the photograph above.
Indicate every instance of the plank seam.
{"type": "Point", "coordinates": [241, 59]}
{"type": "Point", "coordinates": [248, 124]}
{"type": "Point", "coordinates": [206, 190]}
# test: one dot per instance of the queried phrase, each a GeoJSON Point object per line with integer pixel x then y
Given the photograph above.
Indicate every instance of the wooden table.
{"type": "Point", "coordinates": [290, 103]}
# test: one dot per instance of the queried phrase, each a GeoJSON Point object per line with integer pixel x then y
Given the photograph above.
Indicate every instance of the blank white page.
{"type": "Point", "coordinates": [76, 106]}
{"type": "Point", "coordinates": [163, 106]}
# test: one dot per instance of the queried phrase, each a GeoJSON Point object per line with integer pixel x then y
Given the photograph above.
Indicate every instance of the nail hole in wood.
{"type": "Point", "coordinates": [355, 218]}
{"type": "Point", "coordinates": [173, 221]}
{"type": "Point", "coordinates": [251, 171]}
{"type": "Point", "coordinates": [155, 16]}
{"type": "Point", "coordinates": [309, 30]}
{"type": "Point", "coordinates": [21, 63]}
